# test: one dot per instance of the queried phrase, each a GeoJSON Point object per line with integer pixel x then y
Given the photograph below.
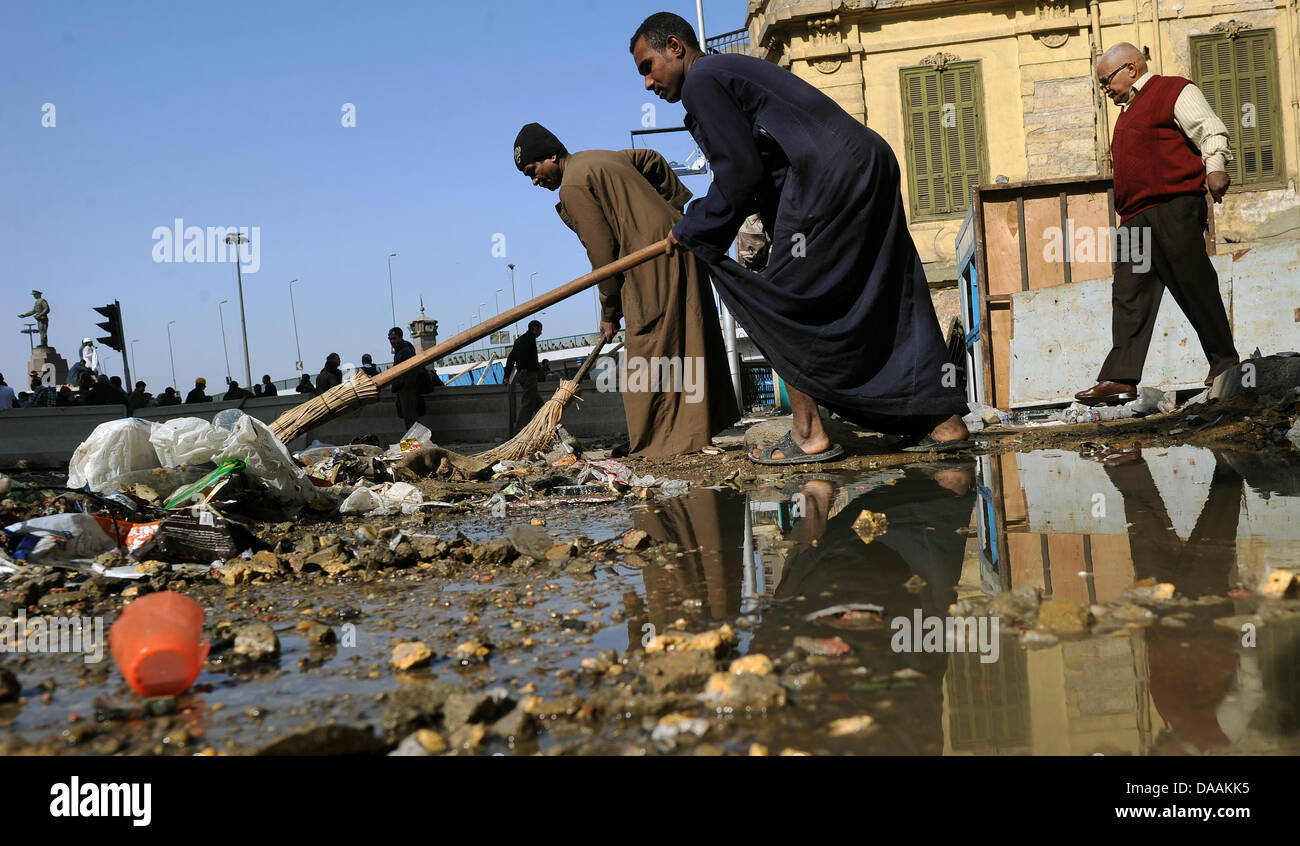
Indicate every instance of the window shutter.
{"type": "Point", "coordinates": [943, 131]}
{"type": "Point", "coordinates": [1241, 73]}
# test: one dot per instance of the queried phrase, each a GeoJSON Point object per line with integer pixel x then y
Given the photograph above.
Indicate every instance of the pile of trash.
{"type": "Point", "coordinates": [191, 492]}
{"type": "Point", "coordinates": [1149, 401]}
{"type": "Point", "coordinates": [571, 474]}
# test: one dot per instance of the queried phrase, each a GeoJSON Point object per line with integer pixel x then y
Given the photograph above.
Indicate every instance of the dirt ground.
{"type": "Point", "coordinates": [575, 629]}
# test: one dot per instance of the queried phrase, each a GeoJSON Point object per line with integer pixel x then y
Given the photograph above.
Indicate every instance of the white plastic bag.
{"type": "Point", "coordinates": [61, 537]}
{"type": "Point", "coordinates": [113, 450]}
{"type": "Point", "coordinates": [268, 460]}
{"type": "Point", "coordinates": [383, 499]}
{"type": "Point", "coordinates": [419, 432]}
{"type": "Point", "coordinates": [360, 501]}
{"type": "Point", "coordinates": [188, 440]}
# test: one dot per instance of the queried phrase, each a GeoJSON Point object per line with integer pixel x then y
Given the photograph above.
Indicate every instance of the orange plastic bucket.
{"type": "Point", "coordinates": [158, 643]}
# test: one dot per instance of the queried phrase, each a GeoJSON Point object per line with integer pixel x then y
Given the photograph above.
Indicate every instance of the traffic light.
{"type": "Point", "coordinates": [113, 326]}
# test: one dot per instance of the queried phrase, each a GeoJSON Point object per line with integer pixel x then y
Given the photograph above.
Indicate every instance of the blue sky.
{"type": "Point", "coordinates": [231, 115]}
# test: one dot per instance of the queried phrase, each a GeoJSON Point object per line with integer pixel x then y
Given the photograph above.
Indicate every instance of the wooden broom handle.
{"type": "Point", "coordinates": [591, 359]}
{"type": "Point", "coordinates": [531, 307]}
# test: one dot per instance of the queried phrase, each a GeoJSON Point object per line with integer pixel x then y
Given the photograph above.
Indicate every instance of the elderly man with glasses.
{"type": "Point", "coordinates": [1168, 147]}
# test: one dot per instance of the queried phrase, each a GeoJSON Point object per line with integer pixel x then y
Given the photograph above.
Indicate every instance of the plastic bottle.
{"type": "Point", "coordinates": [158, 643]}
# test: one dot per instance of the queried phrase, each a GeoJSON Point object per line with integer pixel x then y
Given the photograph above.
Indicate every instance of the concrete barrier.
{"type": "Point", "coordinates": [44, 438]}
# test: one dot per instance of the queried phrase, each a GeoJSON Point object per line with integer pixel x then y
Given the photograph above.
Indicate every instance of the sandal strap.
{"type": "Point", "coordinates": [786, 445]}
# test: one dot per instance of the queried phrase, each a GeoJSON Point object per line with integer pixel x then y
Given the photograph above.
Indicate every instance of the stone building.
{"type": "Point", "coordinates": [975, 91]}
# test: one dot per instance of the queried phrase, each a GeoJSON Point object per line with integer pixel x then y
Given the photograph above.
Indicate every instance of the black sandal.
{"type": "Point", "coordinates": [793, 454]}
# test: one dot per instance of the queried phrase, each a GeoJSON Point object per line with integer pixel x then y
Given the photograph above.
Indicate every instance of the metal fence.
{"type": "Point", "coordinates": [729, 42]}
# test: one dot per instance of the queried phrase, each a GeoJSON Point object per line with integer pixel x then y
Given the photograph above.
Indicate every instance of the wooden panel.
{"type": "Point", "coordinates": [1013, 495]}
{"type": "Point", "coordinates": [1024, 551]}
{"type": "Point", "coordinates": [1112, 566]}
{"type": "Point", "coordinates": [1042, 214]}
{"type": "Point", "coordinates": [1002, 246]}
{"type": "Point", "coordinates": [1067, 559]}
{"type": "Point", "coordinates": [999, 222]}
{"type": "Point", "coordinates": [1092, 211]}
{"type": "Point", "coordinates": [1000, 325]}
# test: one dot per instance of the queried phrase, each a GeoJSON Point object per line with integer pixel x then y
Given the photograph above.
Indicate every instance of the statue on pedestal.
{"type": "Point", "coordinates": [45, 363]}
{"type": "Point", "coordinates": [41, 312]}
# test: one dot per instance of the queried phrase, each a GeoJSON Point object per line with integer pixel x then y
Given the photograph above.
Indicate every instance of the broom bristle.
{"type": "Point", "coordinates": [337, 401]}
{"type": "Point", "coordinates": [540, 431]}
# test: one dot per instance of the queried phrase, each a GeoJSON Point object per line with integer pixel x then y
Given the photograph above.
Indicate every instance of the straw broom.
{"type": "Point", "coordinates": [362, 389]}
{"type": "Point", "coordinates": [540, 431]}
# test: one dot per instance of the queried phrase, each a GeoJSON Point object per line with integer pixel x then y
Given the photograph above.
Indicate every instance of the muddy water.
{"type": "Point", "coordinates": [766, 561]}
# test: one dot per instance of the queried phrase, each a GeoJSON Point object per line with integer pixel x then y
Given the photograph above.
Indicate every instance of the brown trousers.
{"type": "Point", "coordinates": [1175, 259]}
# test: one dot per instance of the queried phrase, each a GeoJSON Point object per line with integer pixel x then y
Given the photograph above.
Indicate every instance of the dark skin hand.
{"type": "Point", "coordinates": [1218, 183]}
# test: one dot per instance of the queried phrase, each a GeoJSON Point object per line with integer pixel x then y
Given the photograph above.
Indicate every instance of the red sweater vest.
{"type": "Point", "coordinates": [1154, 161]}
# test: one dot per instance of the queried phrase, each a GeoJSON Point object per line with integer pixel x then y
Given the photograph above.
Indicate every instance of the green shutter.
{"type": "Point", "coordinates": [943, 162]}
{"type": "Point", "coordinates": [1241, 73]}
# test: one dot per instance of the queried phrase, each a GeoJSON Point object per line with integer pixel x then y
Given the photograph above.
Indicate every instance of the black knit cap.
{"type": "Point", "coordinates": [534, 143]}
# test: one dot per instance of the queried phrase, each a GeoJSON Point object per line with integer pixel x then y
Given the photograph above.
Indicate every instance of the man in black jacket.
{"type": "Point", "coordinates": [234, 392]}
{"type": "Point", "coordinates": [408, 387]}
{"type": "Point", "coordinates": [523, 358]}
{"type": "Point", "coordinates": [330, 375]}
{"type": "Point", "coordinates": [199, 394]}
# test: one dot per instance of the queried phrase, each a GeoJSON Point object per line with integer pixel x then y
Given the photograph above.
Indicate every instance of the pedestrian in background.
{"type": "Point", "coordinates": [330, 375]}
{"type": "Point", "coordinates": [199, 394]}
{"type": "Point", "coordinates": [8, 399]}
{"type": "Point", "coordinates": [138, 398]}
{"type": "Point", "coordinates": [409, 387]}
{"type": "Point", "coordinates": [523, 364]}
{"type": "Point", "coordinates": [234, 392]}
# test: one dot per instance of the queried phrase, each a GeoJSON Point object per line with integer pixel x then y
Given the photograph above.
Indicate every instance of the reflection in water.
{"type": "Point", "coordinates": [1077, 528]}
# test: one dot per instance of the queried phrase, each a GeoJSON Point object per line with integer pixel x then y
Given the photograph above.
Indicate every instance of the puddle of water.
{"type": "Point", "coordinates": [1077, 529]}
{"type": "Point", "coordinates": [1204, 520]}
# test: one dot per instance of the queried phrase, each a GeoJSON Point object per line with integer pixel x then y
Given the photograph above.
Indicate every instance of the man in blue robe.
{"type": "Point", "coordinates": [843, 310]}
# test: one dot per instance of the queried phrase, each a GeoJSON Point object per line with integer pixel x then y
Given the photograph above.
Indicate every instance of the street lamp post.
{"type": "Point", "coordinates": [134, 341]}
{"type": "Point", "coordinates": [478, 318]}
{"type": "Point", "coordinates": [238, 238]}
{"type": "Point", "coordinates": [171, 355]}
{"type": "Point", "coordinates": [531, 295]}
{"type": "Point", "coordinates": [297, 364]}
{"type": "Point", "coordinates": [224, 348]}
{"type": "Point", "coordinates": [391, 299]}
{"type": "Point", "coordinates": [513, 297]}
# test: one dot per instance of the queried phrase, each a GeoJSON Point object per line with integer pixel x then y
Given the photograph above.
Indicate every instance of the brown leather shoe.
{"type": "Point", "coordinates": [1107, 393]}
{"type": "Point", "coordinates": [1215, 371]}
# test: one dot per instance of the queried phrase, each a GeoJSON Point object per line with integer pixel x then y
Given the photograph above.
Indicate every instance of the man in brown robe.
{"type": "Point", "coordinates": [617, 203]}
